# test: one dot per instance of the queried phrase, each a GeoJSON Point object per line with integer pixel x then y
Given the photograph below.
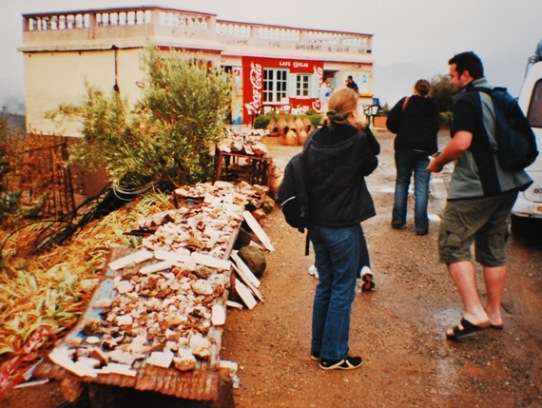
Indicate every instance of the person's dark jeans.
{"type": "Point", "coordinates": [337, 253]}
{"type": "Point", "coordinates": [406, 163]}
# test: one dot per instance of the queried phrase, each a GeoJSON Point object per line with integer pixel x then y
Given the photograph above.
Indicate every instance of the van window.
{"type": "Point", "coordinates": [535, 107]}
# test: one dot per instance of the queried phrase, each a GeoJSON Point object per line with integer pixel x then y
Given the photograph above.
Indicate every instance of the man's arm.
{"type": "Point", "coordinates": [453, 151]}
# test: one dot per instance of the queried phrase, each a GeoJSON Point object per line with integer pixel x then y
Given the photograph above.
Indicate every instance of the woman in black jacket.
{"type": "Point", "coordinates": [415, 120]}
{"type": "Point", "coordinates": [338, 156]}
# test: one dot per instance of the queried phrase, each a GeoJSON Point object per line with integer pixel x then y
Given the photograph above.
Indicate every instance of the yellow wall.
{"type": "Point", "coordinates": [53, 78]}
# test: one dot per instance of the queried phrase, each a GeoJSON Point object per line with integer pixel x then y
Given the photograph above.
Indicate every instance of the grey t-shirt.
{"type": "Point", "coordinates": [467, 179]}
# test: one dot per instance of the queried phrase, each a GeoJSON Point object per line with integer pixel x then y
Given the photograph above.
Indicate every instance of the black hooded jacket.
{"type": "Point", "coordinates": [338, 157]}
{"type": "Point", "coordinates": [416, 126]}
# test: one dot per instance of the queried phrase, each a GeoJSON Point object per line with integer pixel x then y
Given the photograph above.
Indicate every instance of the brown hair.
{"type": "Point", "coordinates": [423, 87]}
{"type": "Point", "coordinates": [341, 104]}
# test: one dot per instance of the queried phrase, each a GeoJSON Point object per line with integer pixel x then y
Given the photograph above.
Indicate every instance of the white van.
{"type": "Point", "coordinates": [528, 207]}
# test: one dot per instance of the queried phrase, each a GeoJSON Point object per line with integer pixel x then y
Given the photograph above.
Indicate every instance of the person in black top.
{"type": "Point", "coordinates": [338, 156]}
{"type": "Point", "coordinates": [415, 120]}
{"type": "Point", "coordinates": [350, 83]}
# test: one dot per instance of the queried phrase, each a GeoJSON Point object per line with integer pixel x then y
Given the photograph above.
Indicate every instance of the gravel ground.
{"type": "Point", "coordinates": [398, 329]}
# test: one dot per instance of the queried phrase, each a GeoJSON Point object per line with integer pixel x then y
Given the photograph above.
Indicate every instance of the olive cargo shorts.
{"type": "Point", "coordinates": [484, 220]}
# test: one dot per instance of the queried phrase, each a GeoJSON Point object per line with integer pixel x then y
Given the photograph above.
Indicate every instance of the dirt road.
{"type": "Point", "coordinates": [399, 329]}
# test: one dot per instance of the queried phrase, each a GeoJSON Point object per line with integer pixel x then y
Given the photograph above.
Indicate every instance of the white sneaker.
{"type": "Point", "coordinates": [366, 271]}
{"type": "Point", "coordinates": [367, 283]}
{"type": "Point", "coordinates": [313, 271]}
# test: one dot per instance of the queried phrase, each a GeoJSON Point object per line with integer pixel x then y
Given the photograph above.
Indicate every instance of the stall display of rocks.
{"type": "Point", "coordinates": [163, 305]}
{"type": "Point", "coordinates": [245, 141]}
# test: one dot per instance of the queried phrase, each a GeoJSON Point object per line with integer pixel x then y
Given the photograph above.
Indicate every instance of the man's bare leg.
{"type": "Point", "coordinates": [495, 278]}
{"type": "Point", "coordinates": [463, 275]}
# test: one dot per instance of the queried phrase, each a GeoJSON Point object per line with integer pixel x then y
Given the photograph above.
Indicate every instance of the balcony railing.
{"type": "Point", "coordinates": [106, 23]}
{"type": "Point", "coordinates": [233, 32]}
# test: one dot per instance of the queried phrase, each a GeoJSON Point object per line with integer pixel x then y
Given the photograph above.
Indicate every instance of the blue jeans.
{"type": "Point", "coordinates": [406, 163]}
{"type": "Point", "coordinates": [338, 261]}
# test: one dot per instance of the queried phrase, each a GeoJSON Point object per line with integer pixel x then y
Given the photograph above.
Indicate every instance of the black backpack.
{"type": "Point", "coordinates": [516, 143]}
{"type": "Point", "coordinates": [293, 196]}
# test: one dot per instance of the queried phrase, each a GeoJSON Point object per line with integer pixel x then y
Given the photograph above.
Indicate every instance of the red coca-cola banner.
{"type": "Point", "coordinates": [253, 68]}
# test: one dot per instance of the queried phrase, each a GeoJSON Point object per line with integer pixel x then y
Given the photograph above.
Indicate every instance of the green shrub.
{"type": "Point", "coordinates": [316, 119]}
{"type": "Point", "coordinates": [167, 136]}
{"type": "Point", "coordinates": [445, 118]}
{"type": "Point", "coordinates": [262, 121]}
{"type": "Point", "coordinates": [442, 92]}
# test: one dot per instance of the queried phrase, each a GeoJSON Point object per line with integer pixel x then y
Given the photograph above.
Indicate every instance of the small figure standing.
{"type": "Point", "coordinates": [350, 83]}
{"type": "Point", "coordinates": [325, 93]}
{"type": "Point", "coordinates": [415, 120]}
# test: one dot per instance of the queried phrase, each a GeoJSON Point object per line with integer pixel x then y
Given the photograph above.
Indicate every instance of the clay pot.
{"type": "Point", "coordinates": [307, 124]}
{"type": "Point", "coordinates": [281, 125]}
{"type": "Point", "coordinates": [272, 126]}
{"type": "Point", "coordinates": [291, 138]}
{"type": "Point", "coordinates": [291, 125]}
{"type": "Point", "coordinates": [301, 137]}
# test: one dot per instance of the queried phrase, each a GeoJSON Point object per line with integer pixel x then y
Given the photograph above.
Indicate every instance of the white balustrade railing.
{"type": "Point", "coordinates": [193, 24]}
{"type": "Point", "coordinates": [297, 38]}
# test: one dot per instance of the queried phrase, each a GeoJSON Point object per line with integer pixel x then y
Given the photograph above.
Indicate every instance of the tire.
{"type": "Point", "coordinates": [520, 225]}
{"type": "Point", "coordinates": [525, 227]}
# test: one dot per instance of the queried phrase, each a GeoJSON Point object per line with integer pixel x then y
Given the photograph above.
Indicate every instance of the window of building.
{"type": "Point", "coordinates": [535, 107]}
{"type": "Point", "coordinates": [274, 84]}
{"type": "Point", "coordinates": [302, 85]}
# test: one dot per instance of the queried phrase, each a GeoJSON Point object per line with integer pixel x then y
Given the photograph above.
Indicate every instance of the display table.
{"type": "Point", "coordinates": [258, 165]}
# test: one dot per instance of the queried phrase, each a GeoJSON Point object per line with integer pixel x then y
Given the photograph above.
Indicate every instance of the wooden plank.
{"type": "Point", "coordinates": [254, 290]}
{"type": "Point", "coordinates": [156, 267]}
{"type": "Point", "coordinates": [258, 230]}
{"type": "Point", "coordinates": [234, 305]}
{"type": "Point", "coordinates": [133, 258]}
{"type": "Point", "coordinates": [210, 261]}
{"type": "Point", "coordinates": [245, 271]}
{"type": "Point", "coordinates": [245, 294]}
{"type": "Point", "coordinates": [218, 315]}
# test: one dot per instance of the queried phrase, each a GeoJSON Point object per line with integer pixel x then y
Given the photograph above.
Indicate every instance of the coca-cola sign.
{"type": "Point", "coordinates": [256, 82]}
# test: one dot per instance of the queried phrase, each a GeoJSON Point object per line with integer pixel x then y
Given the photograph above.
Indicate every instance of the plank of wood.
{"type": "Point", "coordinates": [60, 355]}
{"type": "Point", "coordinates": [132, 259]}
{"type": "Point", "coordinates": [258, 230]}
{"type": "Point", "coordinates": [254, 289]}
{"type": "Point", "coordinates": [244, 270]}
{"type": "Point", "coordinates": [156, 267]}
{"type": "Point", "coordinates": [218, 315]}
{"type": "Point", "coordinates": [234, 305]}
{"type": "Point", "coordinates": [245, 294]}
{"type": "Point", "coordinates": [177, 257]}
{"type": "Point", "coordinates": [210, 261]}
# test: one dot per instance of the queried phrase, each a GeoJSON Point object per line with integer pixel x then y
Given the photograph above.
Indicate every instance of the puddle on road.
{"type": "Point", "coordinates": [446, 376]}
{"type": "Point", "coordinates": [446, 317]}
{"type": "Point", "coordinates": [446, 372]}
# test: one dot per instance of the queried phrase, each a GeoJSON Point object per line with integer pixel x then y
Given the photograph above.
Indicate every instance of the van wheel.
{"type": "Point", "coordinates": [519, 225]}
{"type": "Point", "coordinates": [525, 227]}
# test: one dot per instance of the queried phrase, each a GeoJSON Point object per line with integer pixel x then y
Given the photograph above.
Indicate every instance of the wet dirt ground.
{"type": "Point", "coordinates": [398, 329]}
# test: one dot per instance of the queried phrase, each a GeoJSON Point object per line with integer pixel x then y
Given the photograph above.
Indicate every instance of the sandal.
{"type": "Point", "coordinates": [463, 329]}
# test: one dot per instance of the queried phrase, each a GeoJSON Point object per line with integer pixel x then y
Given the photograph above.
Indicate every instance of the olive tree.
{"type": "Point", "coordinates": [167, 136]}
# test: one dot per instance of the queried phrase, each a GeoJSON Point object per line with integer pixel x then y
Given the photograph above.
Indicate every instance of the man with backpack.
{"type": "Point", "coordinates": [482, 190]}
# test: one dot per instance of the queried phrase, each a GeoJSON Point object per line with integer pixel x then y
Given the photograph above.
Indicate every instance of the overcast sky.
{"type": "Point", "coordinates": [412, 38]}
